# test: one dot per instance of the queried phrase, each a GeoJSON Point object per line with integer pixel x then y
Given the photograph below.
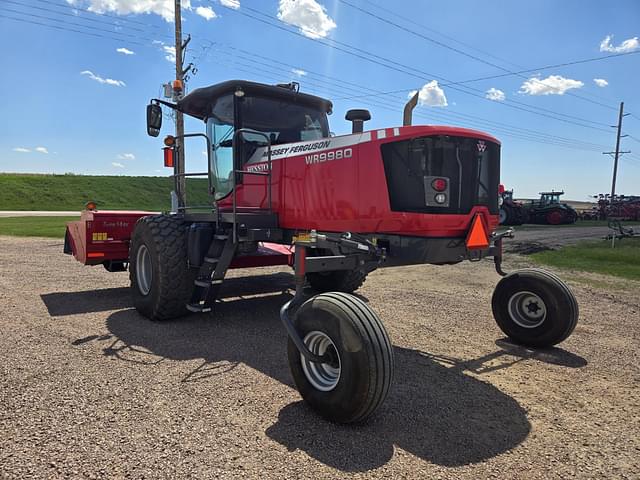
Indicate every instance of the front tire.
{"type": "Point", "coordinates": [356, 381]}
{"type": "Point", "coordinates": [161, 282]}
{"type": "Point", "coordinates": [534, 308]}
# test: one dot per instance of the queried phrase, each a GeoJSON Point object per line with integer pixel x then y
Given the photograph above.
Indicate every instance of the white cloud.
{"type": "Point", "coordinates": [629, 45]}
{"type": "Point", "coordinates": [21, 150]}
{"type": "Point", "coordinates": [431, 95]}
{"type": "Point", "coordinates": [126, 156]}
{"type": "Point", "coordinates": [552, 85]}
{"type": "Point", "coordinates": [235, 4]}
{"type": "Point", "coordinates": [601, 82]}
{"type": "Point", "coordinates": [41, 149]}
{"type": "Point", "coordinates": [206, 12]}
{"type": "Point", "coordinates": [495, 95]}
{"type": "Point", "coordinates": [125, 51]}
{"type": "Point", "coordinates": [308, 15]}
{"type": "Point", "coordinates": [170, 53]}
{"type": "Point", "coordinates": [299, 72]}
{"type": "Point", "coordinates": [99, 79]}
{"type": "Point", "coordinates": [164, 8]}
{"type": "Point", "coordinates": [117, 164]}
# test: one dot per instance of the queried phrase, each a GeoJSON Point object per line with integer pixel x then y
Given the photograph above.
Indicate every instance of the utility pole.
{"type": "Point", "coordinates": [616, 155]}
{"type": "Point", "coordinates": [178, 92]}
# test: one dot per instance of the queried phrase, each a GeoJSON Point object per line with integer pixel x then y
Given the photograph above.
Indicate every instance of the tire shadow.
{"type": "Point", "coordinates": [436, 411]}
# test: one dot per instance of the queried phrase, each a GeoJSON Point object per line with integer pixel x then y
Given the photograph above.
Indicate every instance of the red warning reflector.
{"type": "Point", "coordinates": [477, 237]}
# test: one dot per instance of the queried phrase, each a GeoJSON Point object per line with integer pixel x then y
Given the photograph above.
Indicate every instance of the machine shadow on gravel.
{"type": "Point", "coordinates": [434, 411]}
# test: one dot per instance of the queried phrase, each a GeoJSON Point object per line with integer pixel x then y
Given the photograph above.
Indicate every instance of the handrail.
{"type": "Point", "coordinates": [236, 135]}
{"type": "Point", "coordinates": [208, 140]}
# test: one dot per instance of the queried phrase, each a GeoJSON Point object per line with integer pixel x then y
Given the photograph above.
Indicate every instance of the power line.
{"type": "Point", "coordinates": [454, 49]}
{"type": "Point", "coordinates": [33, 15]}
{"type": "Point", "coordinates": [259, 59]}
{"type": "Point", "coordinates": [377, 59]}
{"type": "Point", "coordinates": [66, 29]}
{"type": "Point", "coordinates": [504, 129]}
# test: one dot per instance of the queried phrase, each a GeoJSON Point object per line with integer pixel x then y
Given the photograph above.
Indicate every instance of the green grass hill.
{"type": "Point", "coordinates": [71, 192]}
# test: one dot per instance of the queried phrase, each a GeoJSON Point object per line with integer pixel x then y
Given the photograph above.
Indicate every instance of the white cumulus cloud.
{"type": "Point", "coordinates": [308, 15]}
{"type": "Point", "coordinates": [431, 95]}
{"type": "Point", "coordinates": [99, 79]}
{"type": "Point", "coordinates": [235, 4]}
{"type": "Point", "coordinates": [41, 149]}
{"type": "Point", "coordinates": [126, 156]}
{"type": "Point", "coordinates": [164, 8]}
{"type": "Point", "coordinates": [117, 164]}
{"type": "Point", "coordinates": [298, 72]}
{"type": "Point", "coordinates": [601, 82]}
{"type": "Point", "coordinates": [628, 45]}
{"type": "Point", "coordinates": [170, 53]}
{"type": "Point", "coordinates": [552, 85]}
{"type": "Point", "coordinates": [21, 150]}
{"type": "Point", "coordinates": [125, 51]}
{"type": "Point", "coordinates": [206, 13]}
{"type": "Point", "coordinates": [495, 95]}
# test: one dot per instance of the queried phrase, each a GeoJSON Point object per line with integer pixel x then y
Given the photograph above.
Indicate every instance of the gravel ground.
{"type": "Point", "coordinates": [89, 389]}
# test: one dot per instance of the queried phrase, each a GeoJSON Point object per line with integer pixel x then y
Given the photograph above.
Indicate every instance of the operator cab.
{"type": "Point", "coordinates": [278, 114]}
{"type": "Point", "coordinates": [550, 198]}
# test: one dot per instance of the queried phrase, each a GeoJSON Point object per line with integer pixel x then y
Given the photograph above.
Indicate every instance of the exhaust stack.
{"type": "Point", "coordinates": [408, 110]}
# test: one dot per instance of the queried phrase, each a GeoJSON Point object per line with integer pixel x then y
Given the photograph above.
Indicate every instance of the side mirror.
{"type": "Point", "coordinates": [154, 119]}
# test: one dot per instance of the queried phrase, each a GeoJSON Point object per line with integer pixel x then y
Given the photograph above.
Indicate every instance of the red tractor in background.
{"type": "Point", "coordinates": [335, 208]}
{"type": "Point", "coordinates": [548, 210]}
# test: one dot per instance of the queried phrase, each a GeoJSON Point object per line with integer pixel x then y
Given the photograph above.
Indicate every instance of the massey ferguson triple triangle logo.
{"type": "Point", "coordinates": [481, 146]}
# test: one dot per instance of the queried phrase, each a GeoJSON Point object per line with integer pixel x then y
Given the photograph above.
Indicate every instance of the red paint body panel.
{"type": "Point", "coordinates": [350, 194]}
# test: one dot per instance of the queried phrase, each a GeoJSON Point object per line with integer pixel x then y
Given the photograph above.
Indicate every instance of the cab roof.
{"type": "Point", "coordinates": [198, 103]}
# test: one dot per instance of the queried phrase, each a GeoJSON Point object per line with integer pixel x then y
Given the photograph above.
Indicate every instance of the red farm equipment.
{"type": "Point", "coordinates": [335, 208]}
{"type": "Point", "coordinates": [623, 207]}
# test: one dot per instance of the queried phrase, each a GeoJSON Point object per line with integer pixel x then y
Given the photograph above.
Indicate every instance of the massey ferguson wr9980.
{"type": "Point", "coordinates": [285, 192]}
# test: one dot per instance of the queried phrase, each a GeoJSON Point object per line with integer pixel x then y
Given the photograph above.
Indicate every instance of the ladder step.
{"type": "Point", "coordinates": [220, 236]}
{"type": "Point", "coordinates": [206, 283]}
{"type": "Point", "coordinates": [211, 260]}
{"type": "Point", "coordinates": [197, 308]}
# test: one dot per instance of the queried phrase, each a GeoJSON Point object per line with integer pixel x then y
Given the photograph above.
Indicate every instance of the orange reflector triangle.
{"type": "Point", "coordinates": [477, 237]}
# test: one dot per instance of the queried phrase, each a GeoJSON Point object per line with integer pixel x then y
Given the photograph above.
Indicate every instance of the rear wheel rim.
{"type": "Point", "coordinates": [527, 309]}
{"type": "Point", "coordinates": [503, 215]}
{"type": "Point", "coordinates": [322, 376]}
{"type": "Point", "coordinates": [144, 270]}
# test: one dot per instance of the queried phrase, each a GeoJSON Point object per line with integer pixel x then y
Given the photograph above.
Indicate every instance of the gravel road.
{"type": "Point", "coordinates": [89, 389]}
{"type": "Point", "coordinates": [550, 236]}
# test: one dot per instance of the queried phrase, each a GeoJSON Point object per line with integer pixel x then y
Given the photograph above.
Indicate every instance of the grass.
{"type": "Point", "coordinates": [52, 227]}
{"type": "Point", "coordinates": [597, 257]}
{"type": "Point", "coordinates": [71, 192]}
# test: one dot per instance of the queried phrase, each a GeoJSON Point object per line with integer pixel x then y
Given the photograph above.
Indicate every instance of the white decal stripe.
{"type": "Point", "coordinates": [396, 132]}
{"type": "Point", "coordinates": [297, 149]}
{"type": "Point", "coordinates": [382, 134]}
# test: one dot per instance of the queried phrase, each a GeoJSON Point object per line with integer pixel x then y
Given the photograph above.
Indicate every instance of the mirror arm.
{"type": "Point", "coordinates": [162, 102]}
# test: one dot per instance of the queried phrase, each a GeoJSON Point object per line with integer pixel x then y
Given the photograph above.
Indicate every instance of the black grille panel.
{"type": "Point", "coordinates": [471, 166]}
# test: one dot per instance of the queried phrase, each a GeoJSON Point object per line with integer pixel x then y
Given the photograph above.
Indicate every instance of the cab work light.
{"type": "Point", "coordinates": [168, 156]}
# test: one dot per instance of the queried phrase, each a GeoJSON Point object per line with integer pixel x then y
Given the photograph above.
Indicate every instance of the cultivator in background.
{"type": "Point", "coordinates": [623, 207]}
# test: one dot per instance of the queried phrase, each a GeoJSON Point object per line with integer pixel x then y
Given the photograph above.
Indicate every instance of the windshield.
{"type": "Point", "coordinates": [283, 121]}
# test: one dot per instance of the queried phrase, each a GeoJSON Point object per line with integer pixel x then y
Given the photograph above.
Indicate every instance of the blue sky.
{"type": "Point", "coordinates": [71, 102]}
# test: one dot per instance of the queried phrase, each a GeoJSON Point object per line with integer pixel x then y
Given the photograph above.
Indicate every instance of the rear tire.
{"type": "Point", "coordinates": [346, 281]}
{"type": "Point", "coordinates": [161, 281]}
{"type": "Point", "coordinates": [355, 384]}
{"type": "Point", "coordinates": [534, 308]}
